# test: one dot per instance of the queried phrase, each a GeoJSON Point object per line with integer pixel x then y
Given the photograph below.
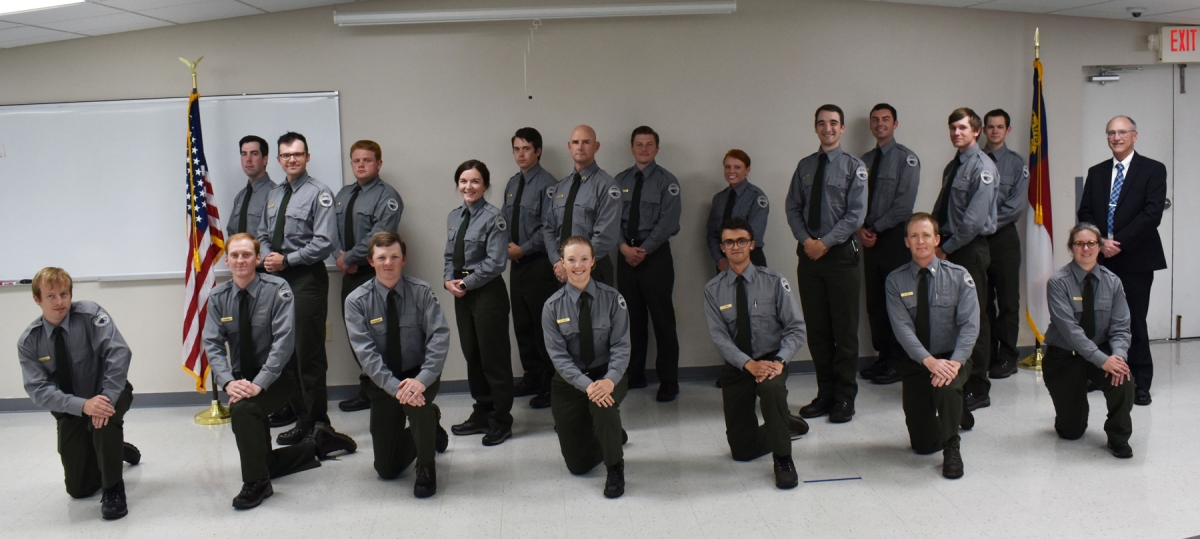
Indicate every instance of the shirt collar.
{"type": "Point", "coordinates": [742, 187]}
{"type": "Point", "coordinates": [378, 287]}
{"type": "Point", "coordinates": [971, 152]}
{"type": "Point", "coordinates": [259, 183]}
{"type": "Point", "coordinates": [573, 293]}
{"type": "Point", "coordinates": [478, 205]}
{"type": "Point", "coordinates": [65, 324]}
{"type": "Point", "coordinates": [749, 273]}
{"type": "Point", "coordinates": [533, 172]}
{"type": "Point", "coordinates": [914, 268]}
{"type": "Point", "coordinates": [587, 172]}
{"type": "Point", "coordinates": [1126, 161]}
{"type": "Point", "coordinates": [296, 185]}
{"type": "Point", "coordinates": [887, 147]}
{"type": "Point", "coordinates": [833, 154]}
{"type": "Point", "coordinates": [369, 184]}
{"type": "Point", "coordinates": [252, 287]}
{"type": "Point", "coordinates": [1078, 273]}
{"type": "Point", "coordinates": [646, 172]}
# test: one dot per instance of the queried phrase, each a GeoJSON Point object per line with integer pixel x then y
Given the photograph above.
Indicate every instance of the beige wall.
{"type": "Point", "coordinates": [436, 95]}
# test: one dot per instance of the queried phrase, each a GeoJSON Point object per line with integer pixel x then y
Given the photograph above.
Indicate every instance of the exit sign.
{"type": "Point", "coordinates": [1178, 44]}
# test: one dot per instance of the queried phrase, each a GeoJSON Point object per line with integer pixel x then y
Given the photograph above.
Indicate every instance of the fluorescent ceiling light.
{"type": "Point", "coordinates": [16, 6]}
{"type": "Point", "coordinates": [533, 13]}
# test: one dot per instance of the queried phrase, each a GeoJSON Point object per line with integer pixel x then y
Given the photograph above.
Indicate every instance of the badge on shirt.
{"type": "Point", "coordinates": [285, 294]}
{"type": "Point", "coordinates": [726, 306]}
{"type": "Point", "coordinates": [377, 320]}
{"type": "Point", "coordinates": [762, 201]}
{"type": "Point", "coordinates": [47, 358]}
{"type": "Point", "coordinates": [987, 177]}
{"type": "Point", "coordinates": [550, 192]}
{"type": "Point", "coordinates": [392, 204]}
{"type": "Point", "coordinates": [102, 319]}
{"type": "Point", "coordinates": [861, 173]}
{"type": "Point", "coordinates": [967, 279]}
{"type": "Point", "coordinates": [227, 319]}
{"type": "Point", "coordinates": [326, 200]}
{"type": "Point", "coordinates": [501, 224]}
{"type": "Point", "coordinates": [787, 287]}
{"type": "Point", "coordinates": [621, 302]}
{"type": "Point", "coordinates": [905, 294]}
{"type": "Point", "coordinates": [434, 296]}
{"type": "Point", "coordinates": [912, 161]}
{"type": "Point", "coordinates": [1025, 171]}
{"type": "Point", "coordinates": [614, 192]}
{"type": "Point", "coordinates": [563, 320]}
{"type": "Point", "coordinates": [673, 189]}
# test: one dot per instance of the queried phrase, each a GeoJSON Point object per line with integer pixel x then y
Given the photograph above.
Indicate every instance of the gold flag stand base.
{"type": "Point", "coordinates": [213, 415]}
{"type": "Point", "coordinates": [1033, 363]}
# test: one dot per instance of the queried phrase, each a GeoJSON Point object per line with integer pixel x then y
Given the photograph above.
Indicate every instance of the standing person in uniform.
{"type": "Point", "coordinates": [298, 232]}
{"type": "Point", "coordinates": [252, 314]}
{"type": "Point", "coordinates": [476, 254]}
{"type": "Point", "coordinates": [400, 336]}
{"type": "Point", "coordinates": [1004, 246]}
{"type": "Point", "coordinates": [75, 364]}
{"type": "Point", "coordinates": [757, 344]}
{"type": "Point", "coordinates": [251, 201]}
{"type": "Point", "coordinates": [1125, 195]}
{"type": "Point", "coordinates": [531, 277]}
{"type": "Point", "coordinates": [587, 334]}
{"type": "Point", "coordinates": [594, 201]}
{"type": "Point", "coordinates": [966, 214]}
{"type": "Point", "coordinates": [826, 205]}
{"type": "Point", "coordinates": [364, 208]}
{"type": "Point", "coordinates": [1088, 340]}
{"type": "Point", "coordinates": [893, 175]}
{"type": "Point", "coordinates": [743, 200]}
{"type": "Point", "coordinates": [935, 313]}
{"type": "Point", "coordinates": [650, 209]}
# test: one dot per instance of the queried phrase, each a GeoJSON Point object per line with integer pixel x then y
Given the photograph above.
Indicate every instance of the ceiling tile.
{"type": "Point", "coordinates": [4, 25]}
{"type": "Point", "coordinates": [942, 3]}
{"type": "Point", "coordinates": [1191, 16]}
{"type": "Point", "coordinates": [140, 5]}
{"type": "Point", "coordinates": [34, 41]}
{"type": "Point", "coordinates": [104, 21]}
{"type": "Point", "coordinates": [284, 5]}
{"type": "Point", "coordinates": [1033, 6]}
{"type": "Point", "coordinates": [150, 23]}
{"type": "Point", "coordinates": [205, 11]}
{"type": "Point", "coordinates": [58, 14]}
{"type": "Point", "coordinates": [26, 32]}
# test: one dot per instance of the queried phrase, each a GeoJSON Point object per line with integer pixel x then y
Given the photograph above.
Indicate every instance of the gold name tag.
{"type": "Point", "coordinates": [227, 319]}
{"type": "Point", "coordinates": [563, 320]}
{"type": "Point", "coordinates": [377, 320]}
{"type": "Point", "coordinates": [47, 358]}
{"type": "Point", "coordinates": [510, 195]}
{"type": "Point", "coordinates": [270, 206]}
{"type": "Point", "coordinates": [723, 307]}
{"type": "Point", "coordinates": [905, 294]}
{"type": "Point", "coordinates": [624, 190]}
{"type": "Point", "coordinates": [559, 196]}
{"type": "Point", "coordinates": [1077, 298]}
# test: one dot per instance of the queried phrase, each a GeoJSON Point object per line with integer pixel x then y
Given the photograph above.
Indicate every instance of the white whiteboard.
{"type": "Point", "coordinates": [97, 188]}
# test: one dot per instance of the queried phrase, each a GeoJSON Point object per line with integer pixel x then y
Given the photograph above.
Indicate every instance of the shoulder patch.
{"type": "Point", "coordinates": [861, 173]}
{"type": "Point", "coordinates": [434, 296]}
{"type": "Point", "coordinates": [102, 319]}
{"type": "Point", "coordinates": [326, 200]}
{"type": "Point", "coordinates": [550, 192]}
{"type": "Point", "coordinates": [501, 224]}
{"type": "Point", "coordinates": [285, 293]}
{"type": "Point", "coordinates": [673, 189]}
{"type": "Point", "coordinates": [787, 287]}
{"type": "Point", "coordinates": [614, 192]}
{"type": "Point", "coordinates": [987, 177]}
{"type": "Point", "coordinates": [967, 279]}
{"type": "Point", "coordinates": [1025, 171]}
{"type": "Point", "coordinates": [621, 302]}
{"type": "Point", "coordinates": [392, 205]}
{"type": "Point", "coordinates": [912, 160]}
{"type": "Point", "coordinates": [762, 201]}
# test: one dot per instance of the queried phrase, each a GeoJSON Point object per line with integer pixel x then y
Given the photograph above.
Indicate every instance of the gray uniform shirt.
{"type": "Point", "coordinates": [659, 207]}
{"type": "Point", "coordinates": [99, 359]}
{"type": "Point", "coordinates": [310, 231]}
{"type": "Point", "coordinates": [272, 329]}
{"type": "Point", "coordinates": [776, 322]}
{"type": "Point", "coordinates": [843, 201]}
{"type": "Point", "coordinates": [597, 212]}
{"type": "Point", "coordinates": [377, 209]}
{"type": "Point", "coordinates": [485, 247]}
{"type": "Point", "coordinates": [1012, 192]}
{"type": "Point", "coordinates": [1064, 292]}
{"type": "Point", "coordinates": [953, 310]}
{"type": "Point", "coordinates": [971, 208]}
{"type": "Point", "coordinates": [260, 188]}
{"type": "Point", "coordinates": [534, 199]}
{"type": "Point", "coordinates": [610, 333]}
{"type": "Point", "coordinates": [896, 184]}
{"type": "Point", "coordinates": [424, 335]}
{"type": "Point", "coordinates": [751, 204]}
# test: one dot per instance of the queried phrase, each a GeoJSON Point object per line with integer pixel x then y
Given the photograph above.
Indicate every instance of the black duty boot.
{"type": "Point", "coordinates": [112, 504]}
{"type": "Point", "coordinates": [253, 494]}
{"type": "Point", "coordinates": [426, 484]}
{"type": "Point", "coordinates": [614, 486]}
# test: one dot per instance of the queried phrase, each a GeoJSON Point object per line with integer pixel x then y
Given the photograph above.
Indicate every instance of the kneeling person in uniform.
{"type": "Point", "coordinates": [1088, 340]}
{"type": "Point", "coordinates": [75, 363]}
{"type": "Point", "coordinates": [934, 311]}
{"type": "Point", "coordinates": [757, 327]}
{"type": "Point", "coordinates": [400, 336]}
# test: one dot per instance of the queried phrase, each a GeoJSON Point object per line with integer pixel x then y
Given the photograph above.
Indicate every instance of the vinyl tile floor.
{"type": "Point", "coordinates": [1021, 480]}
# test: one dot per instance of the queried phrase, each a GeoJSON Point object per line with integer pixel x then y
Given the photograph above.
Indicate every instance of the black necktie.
{"type": "Point", "coordinates": [62, 362]}
{"type": "Point", "coordinates": [729, 203]}
{"type": "Point", "coordinates": [635, 209]}
{"type": "Point", "coordinates": [349, 226]}
{"type": "Point", "coordinates": [992, 156]}
{"type": "Point", "coordinates": [922, 321]}
{"type": "Point", "coordinates": [943, 201]}
{"type": "Point", "coordinates": [281, 219]}
{"type": "Point", "coordinates": [515, 226]}
{"type": "Point", "coordinates": [587, 346]}
{"type": "Point", "coordinates": [245, 206]}
{"type": "Point", "coordinates": [569, 212]}
{"type": "Point", "coordinates": [1089, 306]}
{"type": "Point", "coordinates": [249, 364]}
{"type": "Point", "coordinates": [816, 195]}
{"type": "Point", "coordinates": [872, 179]}
{"type": "Point", "coordinates": [743, 337]}
{"type": "Point", "coordinates": [392, 357]}
{"type": "Point", "coordinates": [460, 239]}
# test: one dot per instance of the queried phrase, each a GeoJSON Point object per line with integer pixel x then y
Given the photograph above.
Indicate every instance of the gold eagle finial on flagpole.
{"type": "Point", "coordinates": [192, 65]}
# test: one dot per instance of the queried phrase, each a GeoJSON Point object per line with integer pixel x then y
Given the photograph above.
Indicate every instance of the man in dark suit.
{"type": "Point", "coordinates": [1124, 197]}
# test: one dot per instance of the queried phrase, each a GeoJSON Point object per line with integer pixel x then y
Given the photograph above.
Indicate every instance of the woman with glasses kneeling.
{"type": "Point", "coordinates": [1088, 340]}
{"type": "Point", "coordinates": [587, 336]}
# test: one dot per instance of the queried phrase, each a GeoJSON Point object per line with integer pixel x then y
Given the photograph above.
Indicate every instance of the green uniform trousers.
{"type": "Point", "coordinates": [93, 457]}
{"type": "Point", "coordinates": [1066, 375]}
{"type": "Point", "coordinates": [1004, 293]}
{"type": "Point", "coordinates": [395, 445]}
{"type": "Point", "coordinates": [587, 434]}
{"type": "Point", "coordinates": [747, 439]}
{"type": "Point", "coordinates": [310, 291]}
{"type": "Point", "coordinates": [829, 299]}
{"type": "Point", "coordinates": [532, 282]}
{"type": "Point", "coordinates": [603, 271]}
{"type": "Point", "coordinates": [647, 289]}
{"type": "Point", "coordinates": [933, 414]}
{"type": "Point", "coordinates": [976, 257]}
{"type": "Point", "coordinates": [879, 261]}
{"type": "Point", "coordinates": [482, 317]}
{"type": "Point", "coordinates": [253, 434]}
{"type": "Point", "coordinates": [350, 283]}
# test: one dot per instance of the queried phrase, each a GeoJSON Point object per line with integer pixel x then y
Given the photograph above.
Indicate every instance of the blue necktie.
{"type": "Point", "coordinates": [1112, 198]}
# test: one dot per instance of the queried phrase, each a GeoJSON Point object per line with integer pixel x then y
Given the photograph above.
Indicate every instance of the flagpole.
{"type": "Point", "coordinates": [1034, 361]}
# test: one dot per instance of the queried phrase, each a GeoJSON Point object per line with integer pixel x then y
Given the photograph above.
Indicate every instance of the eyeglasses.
{"type": "Point", "coordinates": [741, 243]}
{"type": "Point", "coordinates": [1086, 244]}
{"type": "Point", "coordinates": [1119, 134]}
{"type": "Point", "coordinates": [290, 156]}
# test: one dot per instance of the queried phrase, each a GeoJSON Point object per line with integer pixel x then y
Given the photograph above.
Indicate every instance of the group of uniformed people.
{"type": "Point", "coordinates": [582, 342]}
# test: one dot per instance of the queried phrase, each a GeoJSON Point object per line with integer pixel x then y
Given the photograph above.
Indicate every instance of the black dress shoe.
{"type": "Point", "coordinates": [952, 464]}
{"type": "Point", "coordinates": [614, 486]}
{"type": "Point", "coordinates": [797, 426]}
{"type": "Point", "coordinates": [785, 473]}
{"type": "Point", "coordinates": [637, 383]}
{"type": "Point", "coordinates": [329, 441]}
{"type": "Point", "coordinates": [528, 386]}
{"type": "Point", "coordinates": [355, 403]}
{"type": "Point", "coordinates": [624, 437]}
{"type": "Point", "coordinates": [817, 408]}
{"type": "Point", "coordinates": [441, 438]}
{"type": "Point", "coordinates": [496, 436]}
{"type": "Point", "coordinates": [874, 370]}
{"type": "Point", "coordinates": [667, 391]}
{"type": "Point", "coordinates": [1002, 370]}
{"type": "Point", "coordinates": [469, 427]}
{"type": "Point", "coordinates": [542, 400]}
{"type": "Point", "coordinates": [1142, 397]}
{"type": "Point", "coordinates": [972, 402]}
{"type": "Point", "coordinates": [253, 494]}
{"type": "Point", "coordinates": [282, 417]}
{"type": "Point", "coordinates": [841, 412]}
{"type": "Point", "coordinates": [112, 504]}
{"type": "Point", "coordinates": [131, 454]}
{"type": "Point", "coordinates": [968, 420]}
{"type": "Point", "coordinates": [1120, 450]}
{"type": "Point", "coordinates": [426, 484]}
{"type": "Point", "coordinates": [886, 376]}
{"type": "Point", "coordinates": [293, 435]}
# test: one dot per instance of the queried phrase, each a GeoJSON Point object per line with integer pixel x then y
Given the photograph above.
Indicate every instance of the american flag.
{"type": "Point", "coordinates": [206, 243]}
